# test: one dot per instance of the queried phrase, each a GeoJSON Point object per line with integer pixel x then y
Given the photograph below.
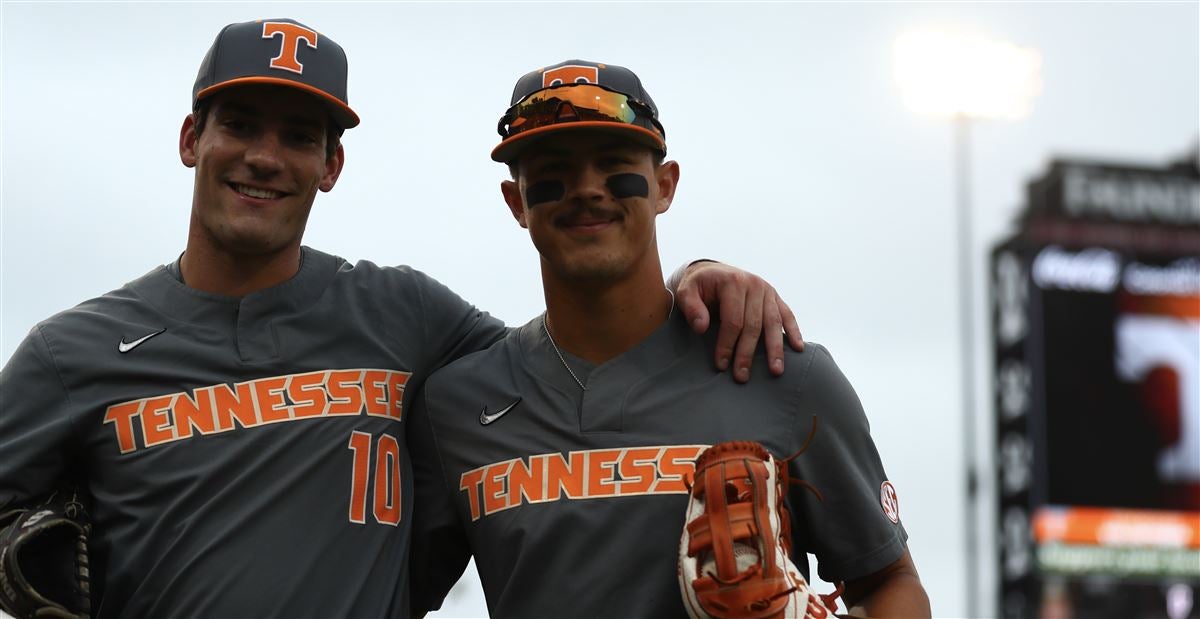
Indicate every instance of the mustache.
{"type": "Point", "coordinates": [575, 211]}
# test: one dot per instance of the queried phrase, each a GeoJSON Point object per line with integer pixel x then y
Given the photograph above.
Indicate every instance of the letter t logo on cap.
{"type": "Point", "coordinates": [570, 74]}
{"type": "Point", "coordinates": [291, 35]}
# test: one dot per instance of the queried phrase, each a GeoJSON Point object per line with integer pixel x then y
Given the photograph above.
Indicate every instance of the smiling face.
{"type": "Point", "coordinates": [589, 201]}
{"type": "Point", "coordinates": [259, 162]}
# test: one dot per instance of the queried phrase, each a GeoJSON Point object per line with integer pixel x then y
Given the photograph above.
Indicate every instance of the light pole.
{"type": "Point", "coordinates": [966, 77]}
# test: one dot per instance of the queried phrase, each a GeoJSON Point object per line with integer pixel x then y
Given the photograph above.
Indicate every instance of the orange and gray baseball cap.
{"type": "Point", "coordinates": [282, 52]}
{"type": "Point", "coordinates": [578, 94]}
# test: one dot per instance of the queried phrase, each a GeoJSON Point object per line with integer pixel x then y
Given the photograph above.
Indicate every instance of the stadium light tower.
{"type": "Point", "coordinates": [966, 77]}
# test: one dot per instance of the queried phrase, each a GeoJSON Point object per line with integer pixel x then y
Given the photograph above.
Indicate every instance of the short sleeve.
{"type": "Point", "coordinates": [454, 327]}
{"type": "Point", "coordinates": [35, 425]}
{"type": "Point", "coordinates": [850, 529]}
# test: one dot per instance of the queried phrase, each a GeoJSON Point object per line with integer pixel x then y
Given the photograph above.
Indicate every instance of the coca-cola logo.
{"type": "Point", "coordinates": [1090, 270]}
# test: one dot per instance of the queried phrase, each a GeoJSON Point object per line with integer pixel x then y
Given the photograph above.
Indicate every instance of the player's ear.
{"type": "Point", "coordinates": [187, 141]}
{"type": "Point", "coordinates": [666, 176]}
{"type": "Point", "coordinates": [333, 168]}
{"type": "Point", "coordinates": [516, 205]}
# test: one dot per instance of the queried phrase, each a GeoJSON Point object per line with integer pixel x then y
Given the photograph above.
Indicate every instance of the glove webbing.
{"type": "Point", "coordinates": [44, 561]}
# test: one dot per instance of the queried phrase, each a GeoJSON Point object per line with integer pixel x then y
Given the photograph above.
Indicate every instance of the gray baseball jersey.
{"type": "Point", "coordinates": [573, 501]}
{"type": "Point", "coordinates": [246, 455]}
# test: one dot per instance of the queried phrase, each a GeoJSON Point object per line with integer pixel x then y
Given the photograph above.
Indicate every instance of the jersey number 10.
{"type": "Point", "coordinates": [386, 503]}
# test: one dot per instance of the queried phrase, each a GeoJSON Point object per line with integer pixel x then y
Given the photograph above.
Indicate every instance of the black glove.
{"type": "Point", "coordinates": [44, 559]}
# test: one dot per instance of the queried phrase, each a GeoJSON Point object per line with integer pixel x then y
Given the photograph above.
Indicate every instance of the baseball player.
{"type": "Point", "coordinates": [238, 416]}
{"type": "Point", "coordinates": [560, 457]}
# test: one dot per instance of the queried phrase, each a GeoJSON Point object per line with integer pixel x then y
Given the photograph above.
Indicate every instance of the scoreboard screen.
{"type": "Point", "coordinates": [1096, 331]}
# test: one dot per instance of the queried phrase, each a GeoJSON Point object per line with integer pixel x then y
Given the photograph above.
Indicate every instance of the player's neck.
{"type": "Point", "coordinates": [210, 270]}
{"type": "Point", "coordinates": [597, 322]}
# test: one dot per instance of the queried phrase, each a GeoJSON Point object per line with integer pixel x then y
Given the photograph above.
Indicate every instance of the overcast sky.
{"type": "Point", "coordinates": [799, 162]}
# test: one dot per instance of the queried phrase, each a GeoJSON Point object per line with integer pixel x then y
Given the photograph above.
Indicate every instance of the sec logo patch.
{"type": "Point", "coordinates": [891, 504]}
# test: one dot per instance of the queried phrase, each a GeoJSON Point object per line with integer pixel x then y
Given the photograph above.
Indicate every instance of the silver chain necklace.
{"type": "Point", "coordinates": [563, 360]}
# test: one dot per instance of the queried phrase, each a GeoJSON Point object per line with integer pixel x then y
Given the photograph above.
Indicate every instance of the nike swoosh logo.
{"type": "Point", "coordinates": [125, 347]}
{"type": "Point", "coordinates": [485, 418]}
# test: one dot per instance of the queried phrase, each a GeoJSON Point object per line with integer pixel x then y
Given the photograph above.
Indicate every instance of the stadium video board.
{"type": "Point", "coordinates": [1096, 334]}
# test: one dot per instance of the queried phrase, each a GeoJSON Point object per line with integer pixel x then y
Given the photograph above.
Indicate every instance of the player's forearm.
{"type": "Point", "coordinates": [901, 595]}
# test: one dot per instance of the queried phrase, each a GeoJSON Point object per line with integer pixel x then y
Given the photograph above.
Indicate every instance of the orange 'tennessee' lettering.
{"type": "Point", "coordinates": [271, 405]}
{"type": "Point", "coordinates": [470, 482]}
{"type": "Point", "coordinates": [395, 385]}
{"type": "Point", "coordinates": [676, 464]}
{"type": "Point", "coordinates": [194, 412]}
{"type": "Point", "coordinates": [600, 472]}
{"type": "Point", "coordinates": [345, 392]}
{"type": "Point", "coordinates": [526, 481]}
{"type": "Point", "coordinates": [493, 487]}
{"type": "Point", "coordinates": [121, 416]}
{"type": "Point", "coordinates": [375, 392]}
{"type": "Point", "coordinates": [156, 421]}
{"type": "Point", "coordinates": [562, 477]}
{"type": "Point", "coordinates": [305, 390]}
{"type": "Point", "coordinates": [637, 470]}
{"type": "Point", "coordinates": [236, 403]}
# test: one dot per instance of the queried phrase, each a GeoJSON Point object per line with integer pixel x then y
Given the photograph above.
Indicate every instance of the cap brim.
{"type": "Point", "coordinates": [342, 114]}
{"type": "Point", "coordinates": [511, 148]}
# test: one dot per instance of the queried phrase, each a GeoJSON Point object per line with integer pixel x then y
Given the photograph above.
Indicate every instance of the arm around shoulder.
{"type": "Point", "coordinates": [749, 309]}
{"type": "Point", "coordinates": [453, 327]}
{"type": "Point", "coordinates": [894, 591]}
{"type": "Point", "coordinates": [440, 549]}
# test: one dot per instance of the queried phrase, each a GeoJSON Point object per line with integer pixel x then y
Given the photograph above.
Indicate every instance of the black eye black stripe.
{"type": "Point", "coordinates": [624, 185]}
{"type": "Point", "coordinates": [628, 185]}
{"type": "Point", "coordinates": [544, 191]}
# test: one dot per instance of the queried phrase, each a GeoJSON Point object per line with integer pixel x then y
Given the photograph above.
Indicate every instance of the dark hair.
{"type": "Point", "coordinates": [333, 133]}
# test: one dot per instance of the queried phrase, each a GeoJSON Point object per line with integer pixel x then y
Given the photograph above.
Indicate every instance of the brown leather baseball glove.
{"type": "Point", "coordinates": [734, 556]}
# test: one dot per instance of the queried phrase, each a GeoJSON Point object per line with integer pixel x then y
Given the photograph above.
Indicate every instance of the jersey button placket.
{"type": "Point", "coordinates": [255, 337]}
{"type": "Point", "coordinates": [600, 410]}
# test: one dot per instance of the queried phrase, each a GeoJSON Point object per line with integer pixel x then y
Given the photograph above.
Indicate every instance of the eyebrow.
{"type": "Point", "coordinates": [250, 110]}
{"type": "Point", "coordinates": [616, 145]}
{"type": "Point", "coordinates": [606, 147]}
